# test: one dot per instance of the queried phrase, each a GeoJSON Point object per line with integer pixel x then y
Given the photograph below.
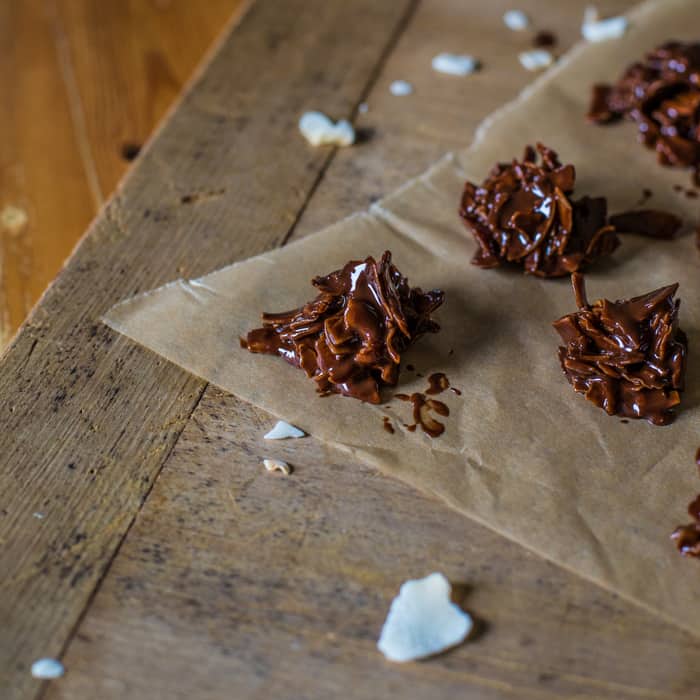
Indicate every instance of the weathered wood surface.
{"type": "Point", "coordinates": [79, 79]}
{"type": "Point", "coordinates": [233, 582]}
{"type": "Point", "coordinates": [87, 417]}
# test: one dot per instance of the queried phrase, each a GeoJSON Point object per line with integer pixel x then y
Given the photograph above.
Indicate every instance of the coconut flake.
{"type": "Point", "coordinates": [454, 64]}
{"type": "Point", "coordinates": [47, 669]}
{"type": "Point", "coordinates": [516, 20]}
{"type": "Point", "coordinates": [283, 430]}
{"type": "Point", "coordinates": [38, 515]}
{"type": "Point", "coordinates": [400, 88]}
{"type": "Point", "coordinates": [537, 59]}
{"type": "Point", "coordinates": [319, 130]}
{"type": "Point", "coordinates": [595, 29]}
{"type": "Point", "coordinates": [277, 465]}
{"type": "Point", "coordinates": [363, 108]}
{"type": "Point", "coordinates": [423, 621]}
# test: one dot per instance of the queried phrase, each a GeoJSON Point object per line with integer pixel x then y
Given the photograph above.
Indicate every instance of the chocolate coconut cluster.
{"type": "Point", "coordinates": [687, 537]}
{"type": "Point", "coordinates": [662, 95]}
{"type": "Point", "coordinates": [523, 214]}
{"type": "Point", "coordinates": [349, 339]}
{"type": "Point", "coordinates": [627, 357]}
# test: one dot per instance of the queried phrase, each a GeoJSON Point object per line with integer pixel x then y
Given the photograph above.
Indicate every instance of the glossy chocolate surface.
{"type": "Point", "coordinates": [661, 94]}
{"type": "Point", "coordinates": [627, 357]}
{"type": "Point", "coordinates": [349, 339]}
{"type": "Point", "coordinates": [654, 223]}
{"type": "Point", "coordinates": [523, 214]}
{"type": "Point", "coordinates": [687, 537]}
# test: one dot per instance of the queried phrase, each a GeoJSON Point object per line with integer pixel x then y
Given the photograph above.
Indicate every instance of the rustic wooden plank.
{"type": "Point", "coordinates": [87, 417]}
{"type": "Point", "coordinates": [262, 587]}
{"type": "Point", "coordinates": [130, 60]}
{"type": "Point", "coordinates": [235, 582]}
{"type": "Point", "coordinates": [80, 79]}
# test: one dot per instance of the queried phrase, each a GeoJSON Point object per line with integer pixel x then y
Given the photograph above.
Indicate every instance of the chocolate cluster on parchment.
{"type": "Point", "coordinates": [349, 339]}
{"type": "Point", "coordinates": [627, 357]}
{"type": "Point", "coordinates": [687, 537]}
{"type": "Point", "coordinates": [523, 214]}
{"type": "Point", "coordinates": [662, 95]}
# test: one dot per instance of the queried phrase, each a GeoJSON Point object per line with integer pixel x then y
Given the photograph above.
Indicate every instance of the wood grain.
{"type": "Point", "coordinates": [235, 582]}
{"type": "Point", "coordinates": [269, 587]}
{"type": "Point", "coordinates": [87, 417]}
{"type": "Point", "coordinates": [80, 78]}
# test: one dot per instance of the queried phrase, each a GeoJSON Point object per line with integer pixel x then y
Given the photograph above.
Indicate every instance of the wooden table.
{"type": "Point", "coordinates": [167, 563]}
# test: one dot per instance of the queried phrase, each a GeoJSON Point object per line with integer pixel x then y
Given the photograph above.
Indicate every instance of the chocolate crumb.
{"type": "Point", "coordinates": [349, 339]}
{"type": "Point", "coordinates": [523, 214]}
{"type": "Point", "coordinates": [388, 426]}
{"type": "Point", "coordinates": [647, 222]}
{"type": "Point", "coordinates": [691, 194]}
{"type": "Point", "coordinates": [678, 188]}
{"type": "Point", "coordinates": [544, 39]}
{"type": "Point", "coordinates": [410, 368]}
{"type": "Point", "coordinates": [627, 357]}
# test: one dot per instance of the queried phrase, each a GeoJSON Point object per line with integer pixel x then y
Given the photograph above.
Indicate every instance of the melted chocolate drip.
{"type": "Point", "coordinates": [661, 94]}
{"type": "Point", "coordinates": [422, 407]}
{"type": "Point", "coordinates": [647, 222]}
{"type": "Point", "coordinates": [687, 537]}
{"type": "Point", "coordinates": [522, 214]}
{"type": "Point", "coordinates": [627, 357]}
{"type": "Point", "coordinates": [437, 383]}
{"type": "Point", "coordinates": [349, 339]}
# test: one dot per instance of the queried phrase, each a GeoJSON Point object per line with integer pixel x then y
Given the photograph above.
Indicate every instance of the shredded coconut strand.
{"type": "Point", "coordinates": [277, 465]}
{"type": "Point", "coordinates": [319, 130]}
{"type": "Point", "coordinates": [284, 430]}
{"type": "Point", "coordinates": [454, 64]}
{"type": "Point", "coordinates": [516, 20]}
{"type": "Point", "coordinates": [538, 59]}
{"type": "Point", "coordinates": [423, 621]}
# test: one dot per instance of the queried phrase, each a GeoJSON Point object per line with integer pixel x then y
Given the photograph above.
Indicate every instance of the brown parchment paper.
{"type": "Point", "coordinates": [522, 453]}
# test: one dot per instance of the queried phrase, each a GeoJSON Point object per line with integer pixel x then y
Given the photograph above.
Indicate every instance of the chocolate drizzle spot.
{"type": "Point", "coordinates": [687, 537]}
{"type": "Point", "coordinates": [647, 194]}
{"type": "Point", "coordinates": [544, 39]}
{"type": "Point", "coordinates": [522, 214]}
{"type": "Point", "coordinates": [661, 94]}
{"type": "Point", "coordinates": [627, 357]}
{"type": "Point", "coordinates": [647, 222]}
{"type": "Point", "coordinates": [349, 339]}
{"type": "Point", "coordinates": [422, 407]}
{"type": "Point", "coordinates": [437, 383]}
{"type": "Point", "coordinates": [387, 425]}
{"type": "Point", "coordinates": [410, 368]}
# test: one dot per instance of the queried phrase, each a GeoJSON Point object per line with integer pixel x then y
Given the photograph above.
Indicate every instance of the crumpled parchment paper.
{"type": "Point", "coordinates": [522, 453]}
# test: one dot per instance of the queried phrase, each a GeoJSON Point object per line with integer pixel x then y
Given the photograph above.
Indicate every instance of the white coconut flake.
{"type": "Point", "coordinates": [284, 430]}
{"type": "Point", "coordinates": [363, 108]}
{"type": "Point", "coordinates": [319, 130]}
{"type": "Point", "coordinates": [277, 465]}
{"type": "Point", "coordinates": [400, 88]}
{"type": "Point", "coordinates": [537, 59]}
{"type": "Point", "coordinates": [47, 669]}
{"type": "Point", "coordinates": [38, 515]}
{"type": "Point", "coordinates": [423, 621]}
{"type": "Point", "coordinates": [595, 29]}
{"type": "Point", "coordinates": [454, 64]}
{"type": "Point", "coordinates": [516, 20]}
